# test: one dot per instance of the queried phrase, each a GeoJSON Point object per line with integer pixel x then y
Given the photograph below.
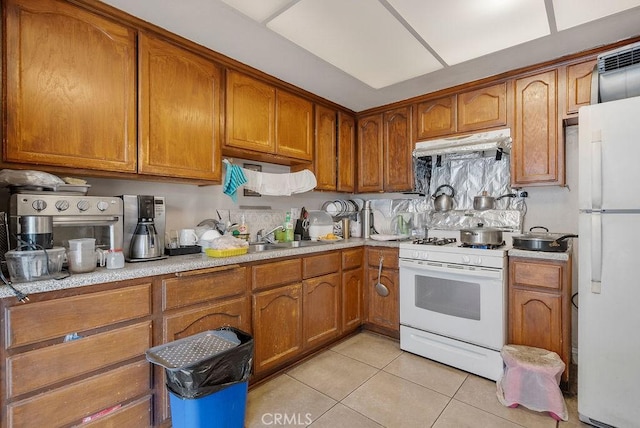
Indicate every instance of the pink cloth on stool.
{"type": "Point", "coordinates": [531, 378]}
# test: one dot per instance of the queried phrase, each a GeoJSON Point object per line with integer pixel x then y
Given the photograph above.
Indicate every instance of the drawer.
{"type": "Point", "coordinates": [51, 319]}
{"type": "Point", "coordinates": [536, 274]}
{"type": "Point", "coordinates": [201, 285]}
{"type": "Point", "coordinates": [352, 259]}
{"type": "Point", "coordinates": [67, 360]}
{"type": "Point", "coordinates": [97, 393]}
{"type": "Point", "coordinates": [276, 273]}
{"type": "Point", "coordinates": [321, 264]}
{"type": "Point", "coordinates": [133, 415]}
{"type": "Point", "coordinates": [390, 257]}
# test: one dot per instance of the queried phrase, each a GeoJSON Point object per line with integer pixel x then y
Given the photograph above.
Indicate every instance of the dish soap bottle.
{"type": "Point", "coordinates": [243, 229]}
{"type": "Point", "coordinates": [288, 228]}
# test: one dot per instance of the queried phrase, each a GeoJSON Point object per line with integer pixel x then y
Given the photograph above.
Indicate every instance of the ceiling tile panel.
{"type": "Point", "coordinates": [257, 10]}
{"type": "Point", "coordinates": [570, 13]}
{"type": "Point", "coordinates": [460, 30]}
{"type": "Point", "coordinates": [359, 37]}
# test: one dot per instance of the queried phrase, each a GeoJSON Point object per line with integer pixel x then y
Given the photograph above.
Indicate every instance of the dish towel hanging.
{"type": "Point", "coordinates": [280, 184]}
{"type": "Point", "coordinates": [233, 179]}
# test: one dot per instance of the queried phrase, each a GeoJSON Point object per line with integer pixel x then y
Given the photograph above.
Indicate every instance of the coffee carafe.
{"type": "Point", "coordinates": [35, 233]}
{"type": "Point", "coordinates": [145, 238]}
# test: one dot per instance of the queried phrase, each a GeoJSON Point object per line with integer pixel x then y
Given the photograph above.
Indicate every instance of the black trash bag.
{"type": "Point", "coordinates": [214, 370]}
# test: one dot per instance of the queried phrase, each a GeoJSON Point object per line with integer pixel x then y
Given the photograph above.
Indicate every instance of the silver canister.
{"type": "Point", "coordinates": [346, 228]}
{"type": "Point", "coordinates": [366, 220]}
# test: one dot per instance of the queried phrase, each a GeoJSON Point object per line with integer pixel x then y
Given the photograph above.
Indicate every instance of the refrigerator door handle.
{"type": "Point", "coordinates": [596, 170]}
{"type": "Point", "coordinates": [596, 252]}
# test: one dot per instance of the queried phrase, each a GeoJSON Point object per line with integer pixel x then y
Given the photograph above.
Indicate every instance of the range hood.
{"type": "Point", "coordinates": [492, 141]}
{"type": "Point", "coordinates": [616, 75]}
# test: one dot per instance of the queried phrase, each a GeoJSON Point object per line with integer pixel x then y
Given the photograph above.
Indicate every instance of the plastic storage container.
{"type": "Point", "coordinates": [320, 224]}
{"type": "Point", "coordinates": [207, 376]}
{"type": "Point", "coordinates": [34, 265]}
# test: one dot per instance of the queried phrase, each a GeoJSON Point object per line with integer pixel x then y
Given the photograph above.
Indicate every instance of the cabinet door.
{"type": "Point", "coordinates": [277, 326]}
{"type": "Point", "coordinates": [179, 121]}
{"type": "Point", "coordinates": [578, 86]}
{"type": "Point", "coordinates": [482, 108]}
{"type": "Point", "coordinates": [250, 114]}
{"type": "Point", "coordinates": [383, 310]}
{"type": "Point", "coordinates": [325, 159]}
{"type": "Point", "coordinates": [536, 319]}
{"type": "Point", "coordinates": [234, 313]}
{"type": "Point", "coordinates": [346, 153]}
{"type": "Point", "coordinates": [537, 154]}
{"type": "Point", "coordinates": [398, 148]}
{"type": "Point", "coordinates": [435, 118]}
{"type": "Point", "coordinates": [370, 154]}
{"type": "Point", "coordinates": [70, 88]}
{"type": "Point", "coordinates": [351, 299]}
{"type": "Point", "coordinates": [294, 126]}
{"type": "Point", "coordinates": [321, 309]}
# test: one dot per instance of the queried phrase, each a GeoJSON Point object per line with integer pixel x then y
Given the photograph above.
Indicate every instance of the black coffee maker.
{"type": "Point", "coordinates": [144, 227]}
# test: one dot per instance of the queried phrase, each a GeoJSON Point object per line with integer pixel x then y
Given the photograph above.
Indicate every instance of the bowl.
{"type": "Point", "coordinates": [25, 266]}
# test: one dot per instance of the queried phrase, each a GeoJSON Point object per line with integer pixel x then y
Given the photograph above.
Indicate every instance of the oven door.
{"type": "Point", "coordinates": [460, 302]}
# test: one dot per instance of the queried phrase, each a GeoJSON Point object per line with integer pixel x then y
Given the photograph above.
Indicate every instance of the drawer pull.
{"type": "Point", "coordinates": [205, 271]}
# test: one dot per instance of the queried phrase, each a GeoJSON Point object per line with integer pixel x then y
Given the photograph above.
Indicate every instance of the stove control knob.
{"type": "Point", "coordinates": [417, 254]}
{"type": "Point", "coordinates": [62, 205]}
{"type": "Point", "coordinates": [83, 205]}
{"type": "Point", "coordinates": [478, 261]}
{"type": "Point", "coordinates": [466, 259]}
{"type": "Point", "coordinates": [39, 205]}
{"type": "Point", "coordinates": [102, 205]}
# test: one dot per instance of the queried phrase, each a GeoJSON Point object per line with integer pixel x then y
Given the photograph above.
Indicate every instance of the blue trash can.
{"type": "Point", "coordinates": [207, 377]}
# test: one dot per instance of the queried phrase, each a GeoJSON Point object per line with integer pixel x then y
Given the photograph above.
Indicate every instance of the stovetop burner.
{"type": "Point", "coordinates": [483, 246]}
{"type": "Point", "coordinates": [435, 241]}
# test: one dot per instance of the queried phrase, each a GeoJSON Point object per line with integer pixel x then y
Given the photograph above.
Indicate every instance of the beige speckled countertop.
{"type": "Point", "coordinates": [543, 255]}
{"type": "Point", "coordinates": [179, 264]}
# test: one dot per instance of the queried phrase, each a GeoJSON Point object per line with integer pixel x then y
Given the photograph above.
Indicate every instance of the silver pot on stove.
{"type": "Point", "coordinates": [481, 235]}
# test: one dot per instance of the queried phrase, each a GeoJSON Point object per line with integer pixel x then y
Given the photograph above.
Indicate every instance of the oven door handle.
{"type": "Point", "coordinates": [424, 267]}
{"type": "Point", "coordinates": [84, 221]}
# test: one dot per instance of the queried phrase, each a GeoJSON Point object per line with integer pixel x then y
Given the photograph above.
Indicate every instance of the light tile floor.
{"type": "Point", "coordinates": [368, 381]}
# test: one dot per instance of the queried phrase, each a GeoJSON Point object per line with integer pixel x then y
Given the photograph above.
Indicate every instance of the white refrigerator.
{"type": "Point", "coordinates": [609, 264]}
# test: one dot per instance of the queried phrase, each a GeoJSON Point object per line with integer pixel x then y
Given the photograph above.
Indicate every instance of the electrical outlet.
{"type": "Point", "coordinates": [522, 194]}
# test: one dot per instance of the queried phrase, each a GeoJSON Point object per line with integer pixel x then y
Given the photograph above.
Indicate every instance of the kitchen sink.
{"type": "Point", "coordinates": [260, 247]}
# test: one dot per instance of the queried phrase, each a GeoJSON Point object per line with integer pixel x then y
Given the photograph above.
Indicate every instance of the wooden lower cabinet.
{"type": "Point", "coordinates": [51, 381]}
{"type": "Point", "coordinates": [352, 289]}
{"type": "Point", "coordinates": [540, 305]}
{"type": "Point", "coordinates": [383, 311]}
{"type": "Point", "coordinates": [321, 309]}
{"type": "Point", "coordinates": [277, 326]}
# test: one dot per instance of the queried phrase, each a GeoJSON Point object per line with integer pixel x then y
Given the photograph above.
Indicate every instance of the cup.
{"type": "Point", "coordinates": [419, 228]}
{"type": "Point", "coordinates": [172, 239]}
{"type": "Point", "coordinates": [346, 228]}
{"type": "Point", "coordinates": [82, 261]}
{"type": "Point", "coordinates": [187, 237]}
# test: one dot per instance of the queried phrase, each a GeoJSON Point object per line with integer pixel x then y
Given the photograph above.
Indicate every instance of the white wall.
{"type": "Point", "coordinates": [188, 204]}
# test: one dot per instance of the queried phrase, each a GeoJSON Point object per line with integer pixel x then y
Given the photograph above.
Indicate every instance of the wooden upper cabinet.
{"type": "Point", "coordinates": [294, 126]}
{"type": "Point", "coordinates": [398, 147]}
{"type": "Point", "coordinates": [537, 154]}
{"type": "Point", "coordinates": [70, 88]}
{"type": "Point", "coordinates": [250, 114]}
{"type": "Point", "coordinates": [482, 108]}
{"type": "Point", "coordinates": [435, 118]}
{"type": "Point", "coordinates": [179, 123]}
{"type": "Point", "coordinates": [263, 119]}
{"type": "Point", "coordinates": [325, 159]}
{"type": "Point", "coordinates": [346, 153]}
{"type": "Point", "coordinates": [578, 86]}
{"type": "Point", "coordinates": [370, 154]}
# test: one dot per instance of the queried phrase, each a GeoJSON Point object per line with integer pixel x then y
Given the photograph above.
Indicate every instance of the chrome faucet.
{"type": "Point", "coordinates": [260, 237]}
